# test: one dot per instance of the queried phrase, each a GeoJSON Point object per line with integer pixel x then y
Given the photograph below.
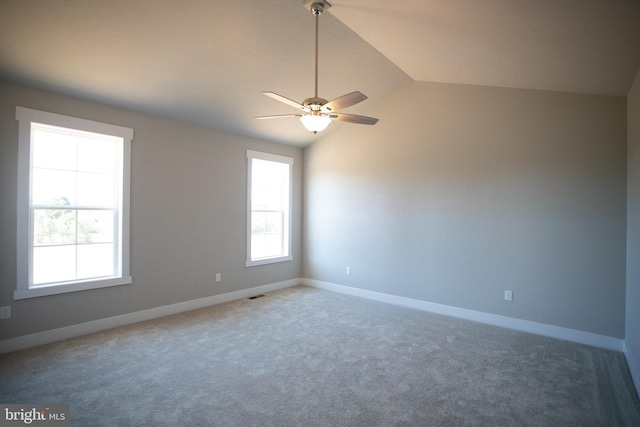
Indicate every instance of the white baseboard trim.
{"type": "Point", "coordinates": [634, 369]}
{"type": "Point", "coordinates": [581, 337]}
{"type": "Point", "coordinates": [46, 337]}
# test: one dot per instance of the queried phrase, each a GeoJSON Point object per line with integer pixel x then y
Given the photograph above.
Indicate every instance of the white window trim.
{"type": "Point", "coordinates": [272, 158]}
{"type": "Point", "coordinates": [26, 116]}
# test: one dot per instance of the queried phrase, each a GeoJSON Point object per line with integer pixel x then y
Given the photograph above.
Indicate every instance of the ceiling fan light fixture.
{"type": "Point", "coordinates": [315, 123]}
{"type": "Point", "coordinates": [318, 111]}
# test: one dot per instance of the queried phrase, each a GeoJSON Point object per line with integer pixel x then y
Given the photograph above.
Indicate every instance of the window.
{"type": "Point", "coordinates": [269, 208]}
{"type": "Point", "coordinates": [73, 204]}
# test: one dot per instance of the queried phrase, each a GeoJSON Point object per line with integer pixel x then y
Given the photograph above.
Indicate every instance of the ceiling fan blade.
{"type": "Point", "coordinates": [280, 116]}
{"type": "Point", "coordinates": [353, 118]}
{"type": "Point", "coordinates": [344, 101]}
{"type": "Point", "coordinates": [287, 101]}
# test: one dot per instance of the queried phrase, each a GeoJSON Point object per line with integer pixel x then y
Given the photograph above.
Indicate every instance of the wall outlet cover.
{"type": "Point", "coordinates": [5, 312]}
{"type": "Point", "coordinates": [508, 295]}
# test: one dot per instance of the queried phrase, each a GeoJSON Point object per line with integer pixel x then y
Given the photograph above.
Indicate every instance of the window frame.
{"type": "Point", "coordinates": [24, 245]}
{"type": "Point", "coordinates": [288, 222]}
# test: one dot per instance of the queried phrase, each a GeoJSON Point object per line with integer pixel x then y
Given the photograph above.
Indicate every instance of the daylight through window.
{"type": "Point", "coordinates": [76, 189]}
{"type": "Point", "coordinates": [269, 216]}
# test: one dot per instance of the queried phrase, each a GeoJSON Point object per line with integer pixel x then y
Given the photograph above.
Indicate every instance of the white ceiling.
{"type": "Point", "coordinates": [584, 46]}
{"type": "Point", "coordinates": [206, 61]}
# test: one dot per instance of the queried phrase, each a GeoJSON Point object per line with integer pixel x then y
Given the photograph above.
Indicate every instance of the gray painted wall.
{"type": "Point", "coordinates": [457, 194]}
{"type": "Point", "coordinates": [632, 332]}
{"type": "Point", "coordinates": [461, 192]}
{"type": "Point", "coordinates": [188, 202]}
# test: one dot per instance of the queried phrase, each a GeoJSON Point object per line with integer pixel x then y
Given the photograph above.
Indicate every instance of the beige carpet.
{"type": "Point", "coordinates": [304, 356]}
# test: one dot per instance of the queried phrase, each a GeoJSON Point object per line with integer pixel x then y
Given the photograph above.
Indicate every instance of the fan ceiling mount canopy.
{"type": "Point", "coordinates": [318, 112]}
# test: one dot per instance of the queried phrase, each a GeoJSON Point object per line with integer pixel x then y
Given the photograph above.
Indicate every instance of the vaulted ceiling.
{"type": "Point", "coordinates": [207, 61]}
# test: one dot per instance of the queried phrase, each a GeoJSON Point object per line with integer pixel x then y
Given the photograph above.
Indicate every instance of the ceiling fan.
{"type": "Point", "coordinates": [318, 112]}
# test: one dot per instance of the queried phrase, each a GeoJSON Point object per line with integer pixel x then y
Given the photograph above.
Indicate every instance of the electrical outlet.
{"type": "Point", "coordinates": [5, 312]}
{"type": "Point", "coordinates": [218, 277]}
{"type": "Point", "coordinates": [348, 271]}
{"type": "Point", "coordinates": [508, 295]}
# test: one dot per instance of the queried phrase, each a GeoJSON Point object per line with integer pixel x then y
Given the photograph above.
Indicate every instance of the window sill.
{"type": "Point", "coordinates": [268, 261]}
{"type": "Point", "coordinates": [56, 289]}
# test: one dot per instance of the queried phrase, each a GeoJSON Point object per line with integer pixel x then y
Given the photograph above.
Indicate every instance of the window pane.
{"type": "Point", "coordinates": [257, 246]}
{"type": "Point", "coordinates": [257, 222]}
{"type": "Point", "coordinates": [95, 260]}
{"type": "Point", "coordinates": [97, 155]}
{"type": "Point", "coordinates": [52, 149]}
{"type": "Point", "coordinates": [54, 226]}
{"type": "Point", "coordinates": [273, 244]}
{"type": "Point", "coordinates": [96, 189]}
{"type": "Point", "coordinates": [266, 245]}
{"type": "Point", "coordinates": [54, 187]}
{"type": "Point", "coordinates": [269, 182]}
{"type": "Point", "coordinates": [54, 264]}
{"type": "Point", "coordinates": [273, 222]}
{"type": "Point", "coordinates": [95, 226]}
{"type": "Point", "coordinates": [267, 234]}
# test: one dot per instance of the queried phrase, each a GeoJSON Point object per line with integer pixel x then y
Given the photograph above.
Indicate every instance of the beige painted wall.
{"type": "Point", "coordinates": [461, 192]}
{"type": "Point", "coordinates": [188, 201]}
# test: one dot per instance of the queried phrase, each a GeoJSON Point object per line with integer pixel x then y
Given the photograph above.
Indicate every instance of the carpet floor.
{"type": "Point", "coordinates": [309, 357]}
